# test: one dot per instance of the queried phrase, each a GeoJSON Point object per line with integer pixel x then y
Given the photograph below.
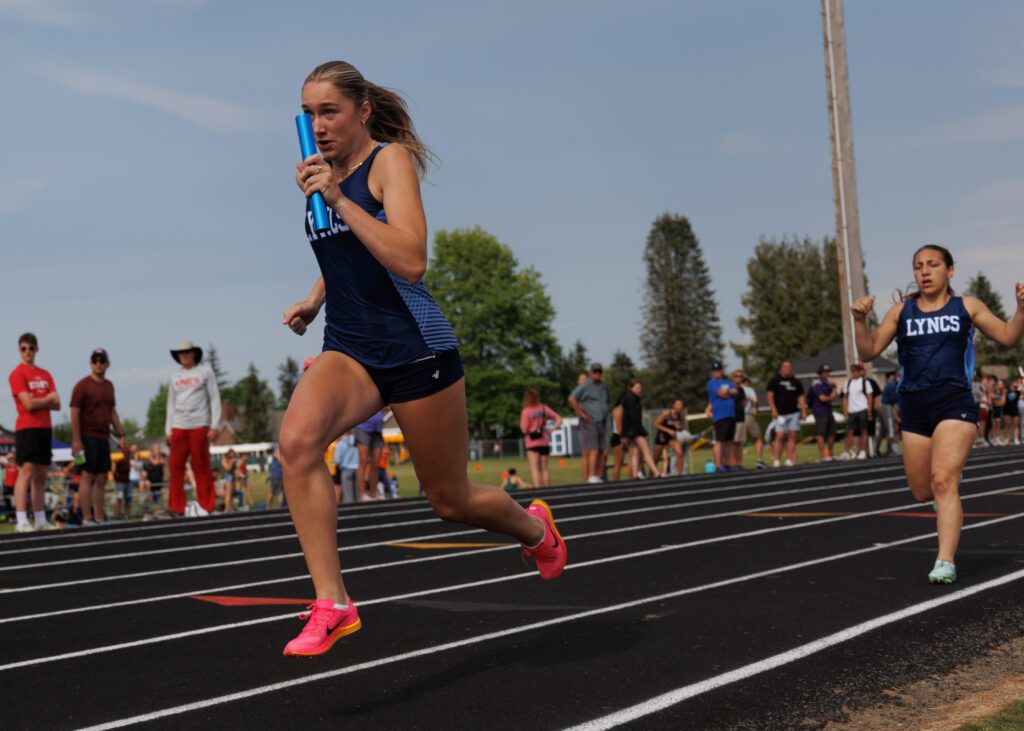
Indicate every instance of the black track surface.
{"type": "Point", "coordinates": [98, 626]}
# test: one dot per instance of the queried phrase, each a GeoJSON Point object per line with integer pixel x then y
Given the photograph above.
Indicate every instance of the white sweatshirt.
{"type": "Point", "coordinates": [193, 400]}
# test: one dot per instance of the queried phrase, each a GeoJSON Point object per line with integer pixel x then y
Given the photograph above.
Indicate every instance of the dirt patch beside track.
{"type": "Point", "coordinates": [973, 692]}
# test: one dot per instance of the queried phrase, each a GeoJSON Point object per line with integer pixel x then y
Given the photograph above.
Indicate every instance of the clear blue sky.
{"type": "Point", "coordinates": [146, 189]}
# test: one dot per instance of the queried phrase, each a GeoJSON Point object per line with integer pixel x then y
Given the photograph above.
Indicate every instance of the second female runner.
{"type": "Point", "coordinates": [385, 343]}
{"type": "Point", "coordinates": [934, 332]}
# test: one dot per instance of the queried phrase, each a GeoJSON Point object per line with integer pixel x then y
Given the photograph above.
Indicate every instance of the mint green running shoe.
{"type": "Point", "coordinates": [943, 573]}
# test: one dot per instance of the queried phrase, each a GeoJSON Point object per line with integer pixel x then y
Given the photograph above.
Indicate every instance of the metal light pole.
{"type": "Point", "coordinates": [844, 175]}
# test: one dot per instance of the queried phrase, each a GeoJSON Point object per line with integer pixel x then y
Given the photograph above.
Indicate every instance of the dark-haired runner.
{"type": "Point", "coordinates": [933, 331]}
{"type": "Point", "coordinates": [385, 343]}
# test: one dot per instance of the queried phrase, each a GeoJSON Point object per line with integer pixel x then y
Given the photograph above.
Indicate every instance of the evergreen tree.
{"type": "Point", "coordinates": [792, 303]}
{"type": "Point", "coordinates": [287, 379]}
{"type": "Point", "coordinates": [213, 359]}
{"type": "Point", "coordinates": [133, 432]}
{"type": "Point", "coordinates": [570, 365]}
{"type": "Point", "coordinates": [502, 318]}
{"type": "Point", "coordinates": [681, 333]}
{"type": "Point", "coordinates": [988, 351]}
{"type": "Point", "coordinates": [156, 413]}
{"type": "Point", "coordinates": [618, 373]}
{"type": "Point", "coordinates": [255, 400]}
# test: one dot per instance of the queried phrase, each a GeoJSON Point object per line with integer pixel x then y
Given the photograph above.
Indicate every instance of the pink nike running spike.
{"type": "Point", "coordinates": [326, 626]}
{"type": "Point", "coordinates": [551, 554]}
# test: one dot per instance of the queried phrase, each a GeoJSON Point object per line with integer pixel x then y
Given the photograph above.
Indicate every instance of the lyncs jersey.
{"type": "Point", "coordinates": [374, 316]}
{"type": "Point", "coordinates": [935, 348]}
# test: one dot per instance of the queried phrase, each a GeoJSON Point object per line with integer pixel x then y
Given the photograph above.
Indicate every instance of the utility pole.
{"type": "Point", "coordinates": [844, 174]}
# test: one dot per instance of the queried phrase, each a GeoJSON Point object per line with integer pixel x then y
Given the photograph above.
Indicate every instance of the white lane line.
{"type": "Point", "coordinates": [674, 697]}
{"type": "Point", "coordinates": [655, 704]}
{"type": "Point", "coordinates": [718, 483]}
{"type": "Point", "coordinates": [633, 493]}
{"type": "Point", "coordinates": [429, 521]}
{"type": "Point", "coordinates": [375, 544]}
{"type": "Point", "coordinates": [524, 575]}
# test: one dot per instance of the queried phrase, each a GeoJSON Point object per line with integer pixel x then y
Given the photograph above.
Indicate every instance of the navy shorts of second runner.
{"type": "Point", "coordinates": [922, 411]}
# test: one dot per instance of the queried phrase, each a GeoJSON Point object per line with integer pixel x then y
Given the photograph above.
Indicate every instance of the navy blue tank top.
{"type": "Point", "coordinates": [936, 348]}
{"type": "Point", "coordinates": [374, 316]}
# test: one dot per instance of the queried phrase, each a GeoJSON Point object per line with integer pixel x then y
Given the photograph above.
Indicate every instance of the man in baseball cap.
{"type": "Point", "coordinates": [193, 421]}
{"type": "Point", "coordinates": [823, 392]}
{"type": "Point", "coordinates": [93, 413]}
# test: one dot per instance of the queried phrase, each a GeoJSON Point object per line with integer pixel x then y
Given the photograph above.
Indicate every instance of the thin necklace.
{"type": "Point", "coordinates": [373, 146]}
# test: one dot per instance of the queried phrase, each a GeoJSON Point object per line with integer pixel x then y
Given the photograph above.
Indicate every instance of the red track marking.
{"type": "Point", "coordinates": [247, 601]}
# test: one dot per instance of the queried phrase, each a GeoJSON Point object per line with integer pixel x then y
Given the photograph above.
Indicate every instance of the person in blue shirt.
{"type": "Point", "coordinates": [386, 342]}
{"type": "Point", "coordinates": [934, 330]}
{"type": "Point", "coordinates": [889, 413]}
{"type": "Point", "coordinates": [722, 397]}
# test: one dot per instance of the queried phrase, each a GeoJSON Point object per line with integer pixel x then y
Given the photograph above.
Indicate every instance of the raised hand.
{"type": "Point", "coordinates": [862, 307]}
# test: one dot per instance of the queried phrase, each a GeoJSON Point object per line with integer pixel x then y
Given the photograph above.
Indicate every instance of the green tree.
{"type": "Point", "coordinates": [255, 400]}
{"type": "Point", "coordinates": [792, 303]}
{"type": "Point", "coordinates": [502, 316]}
{"type": "Point", "coordinates": [133, 431]}
{"type": "Point", "coordinates": [213, 360]}
{"type": "Point", "coordinates": [156, 413]}
{"type": "Point", "coordinates": [62, 431]}
{"type": "Point", "coordinates": [988, 351]}
{"type": "Point", "coordinates": [570, 365]}
{"type": "Point", "coordinates": [681, 332]}
{"type": "Point", "coordinates": [287, 379]}
{"type": "Point", "coordinates": [618, 373]}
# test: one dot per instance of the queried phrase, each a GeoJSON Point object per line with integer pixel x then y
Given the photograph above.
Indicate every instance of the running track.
{"type": "Point", "coordinates": [758, 600]}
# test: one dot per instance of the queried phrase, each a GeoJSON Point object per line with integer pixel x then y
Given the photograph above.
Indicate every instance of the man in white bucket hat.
{"type": "Point", "coordinates": [193, 421]}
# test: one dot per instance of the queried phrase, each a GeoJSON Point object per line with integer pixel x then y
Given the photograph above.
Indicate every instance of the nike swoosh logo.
{"type": "Point", "coordinates": [331, 629]}
{"type": "Point", "coordinates": [555, 536]}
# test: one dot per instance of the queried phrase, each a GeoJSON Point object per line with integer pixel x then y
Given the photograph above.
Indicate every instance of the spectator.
{"type": "Point", "coordinates": [998, 392]}
{"type": "Point", "coordinates": [513, 481]}
{"type": "Point", "coordinates": [1014, 409]}
{"type": "Point", "coordinates": [722, 400]}
{"type": "Point", "coordinates": [346, 458]}
{"type": "Point", "coordinates": [193, 421]}
{"type": "Point", "coordinates": [228, 475]}
{"type": "Point", "coordinates": [10, 480]}
{"type": "Point", "coordinates": [888, 405]}
{"type": "Point", "coordinates": [858, 408]}
{"type": "Point", "coordinates": [93, 413]}
{"type": "Point", "coordinates": [35, 396]}
{"type": "Point", "coordinates": [533, 422]}
{"type": "Point", "coordinates": [789, 406]}
{"type": "Point", "coordinates": [123, 486]}
{"type": "Point", "coordinates": [750, 425]}
{"type": "Point", "coordinates": [984, 401]}
{"type": "Point", "coordinates": [618, 451]}
{"type": "Point", "coordinates": [876, 402]}
{"type": "Point", "coordinates": [633, 432]}
{"type": "Point", "coordinates": [275, 481]}
{"type": "Point", "coordinates": [370, 441]}
{"type": "Point", "coordinates": [823, 393]}
{"type": "Point", "coordinates": [742, 435]}
{"type": "Point", "coordinates": [590, 402]}
{"type": "Point", "coordinates": [153, 473]}
{"type": "Point", "coordinates": [242, 482]}
{"type": "Point", "coordinates": [668, 425]}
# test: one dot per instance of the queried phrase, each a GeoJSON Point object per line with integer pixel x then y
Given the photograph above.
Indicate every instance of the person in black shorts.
{"type": "Point", "coordinates": [386, 342]}
{"type": "Point", "coordinates": [668, 425]}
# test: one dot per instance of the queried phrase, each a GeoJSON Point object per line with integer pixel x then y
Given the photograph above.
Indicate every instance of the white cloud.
{"type": "Point", "coordinates": [213, 114]}
{"type": "Point", "coordinates": [14, 196]}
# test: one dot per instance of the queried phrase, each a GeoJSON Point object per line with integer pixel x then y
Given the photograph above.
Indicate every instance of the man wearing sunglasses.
{"type": "Point", "coordinates": [35, 396]}
{"type": "Point", "coordinates": [590, 402]}
{"type": "Point", "coordinates": [93, 412]}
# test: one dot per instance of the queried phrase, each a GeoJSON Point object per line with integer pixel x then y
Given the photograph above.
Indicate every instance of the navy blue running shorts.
{"type": "Point", "coordinates": [419, 379]}
{"type": "Point", "coordinates": [921, 411]}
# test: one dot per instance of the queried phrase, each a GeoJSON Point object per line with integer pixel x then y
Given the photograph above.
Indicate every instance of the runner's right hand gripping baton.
{"type": "Point", "coordinates": [307, 143]}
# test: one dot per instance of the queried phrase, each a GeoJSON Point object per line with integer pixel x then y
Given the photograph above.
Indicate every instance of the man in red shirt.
{"type": "Point", "coordinates": [35, 396]}
{"type": "Point", "coordinates": [93, 412]}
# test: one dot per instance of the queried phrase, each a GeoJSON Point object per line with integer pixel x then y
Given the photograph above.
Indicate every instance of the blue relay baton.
{"type": "Point", "coordinates": [307, 143]}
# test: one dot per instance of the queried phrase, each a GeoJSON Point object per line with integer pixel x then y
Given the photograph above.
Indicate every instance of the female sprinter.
{"type": "Point", "coordinates": [385, 343]}
{"type": "Point", "coordinates": [933, 331]}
